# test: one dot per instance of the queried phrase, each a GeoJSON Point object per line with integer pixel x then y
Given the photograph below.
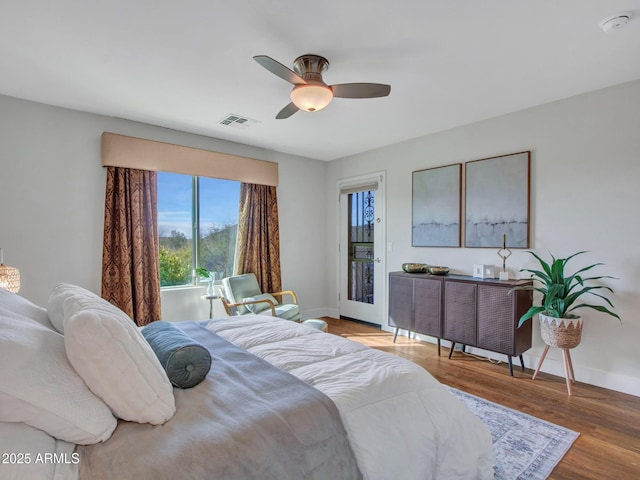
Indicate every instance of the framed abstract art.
{"type": "Point", "coordinates": [497, 197]}
{"type": "Point", "coordinates": [436, 213]}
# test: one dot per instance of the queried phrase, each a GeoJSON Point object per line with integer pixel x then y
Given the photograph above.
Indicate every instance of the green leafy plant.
{"type": "Point", "coordinates": [204, 273]}
{"type": "Point", "coordinates": [561, 292]}
{"type": "Point", "coordinates": [175, 267]}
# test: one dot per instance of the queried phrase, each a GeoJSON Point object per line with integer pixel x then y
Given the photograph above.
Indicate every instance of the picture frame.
{"type": "Point", "coordinates": [437, 206]}
{"type": "Point", "coordinates": [497, 201]}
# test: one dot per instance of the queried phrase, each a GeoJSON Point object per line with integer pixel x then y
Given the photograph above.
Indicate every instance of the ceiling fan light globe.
{"type": "Point", "coordinates": [311, 98]}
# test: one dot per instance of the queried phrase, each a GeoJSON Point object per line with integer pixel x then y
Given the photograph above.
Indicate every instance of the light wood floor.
{"type": "Point", "coordinates": [609, 422]}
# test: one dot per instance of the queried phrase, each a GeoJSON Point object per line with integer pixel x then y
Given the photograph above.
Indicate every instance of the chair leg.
{"type": "Point", "coordinates": [544, 354]}
{"type": "Point", "coordinates": [567, 362]}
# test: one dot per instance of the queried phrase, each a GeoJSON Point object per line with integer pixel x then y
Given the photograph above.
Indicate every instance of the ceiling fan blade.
{"type": "Point", "coordinates": [280, 70]}
{"type": "Point", "coordinates": [287, 111]}
{"type": "Point", "coordinates": [360, 90]}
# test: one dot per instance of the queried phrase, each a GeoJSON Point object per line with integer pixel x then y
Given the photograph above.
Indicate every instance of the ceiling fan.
{"type": "Point", "coordinates": [310, 93]}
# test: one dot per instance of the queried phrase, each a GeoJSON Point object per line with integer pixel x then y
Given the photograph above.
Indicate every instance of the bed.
{"type": "Point", "coordinates": [280, 400]}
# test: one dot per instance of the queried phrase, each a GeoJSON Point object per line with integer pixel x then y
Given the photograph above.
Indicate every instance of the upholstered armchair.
{"type": "Point", "coordinates": [242, 296]}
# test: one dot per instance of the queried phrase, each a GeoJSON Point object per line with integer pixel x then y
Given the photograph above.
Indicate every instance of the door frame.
{"type": "Point", "coordinates": [381, 209]}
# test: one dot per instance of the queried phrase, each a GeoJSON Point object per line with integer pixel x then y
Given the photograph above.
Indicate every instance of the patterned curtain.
{"type": "Point", "coordinates": [130, 266]}
{"type": "Point", "coordinates": [258, 249]}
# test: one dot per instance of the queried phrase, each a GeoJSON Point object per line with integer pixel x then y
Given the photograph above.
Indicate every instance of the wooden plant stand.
{"type": "Point", "coordinates": [568, 367]}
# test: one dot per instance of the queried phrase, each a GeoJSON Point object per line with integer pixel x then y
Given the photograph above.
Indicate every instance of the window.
{"type": "Point", "coordinates": [361, 243]}
{"type": "Point", "coordinates": [200, 208]}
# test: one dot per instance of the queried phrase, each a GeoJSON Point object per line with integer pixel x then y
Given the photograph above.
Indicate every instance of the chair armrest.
{"type": "Point", "coordinates": [229, 306]}
{"type": "Point", "coordinates": [286, 292]}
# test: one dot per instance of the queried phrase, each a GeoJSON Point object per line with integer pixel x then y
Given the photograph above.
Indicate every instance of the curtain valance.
{"type": "Point", "coordinates": [131, 152]}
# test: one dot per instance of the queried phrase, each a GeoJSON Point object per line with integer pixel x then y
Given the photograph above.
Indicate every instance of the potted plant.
{"type": "Point", "coordinates": [563, 294]}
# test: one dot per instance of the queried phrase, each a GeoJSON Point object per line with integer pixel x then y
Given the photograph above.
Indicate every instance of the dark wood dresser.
{"type": "Point", "coordinates": [481, 313]}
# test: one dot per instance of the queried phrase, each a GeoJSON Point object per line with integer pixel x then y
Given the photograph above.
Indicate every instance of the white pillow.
{"type": "Point", "coordinates": [108, 351]}
{"type": "Point", "coordinates": [262, 306]}
{"type": "Point", "coordinates": [39, 387]}
{"type": "Point", "coordinates": [17, 304]}
{"type": "Point", "coordinates": [55, 305]}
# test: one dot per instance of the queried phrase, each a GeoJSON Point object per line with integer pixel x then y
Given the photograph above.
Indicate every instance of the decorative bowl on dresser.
{"type": "Point", "coordinates": [434, 270]}
{"type": "Point", "coordinates": [415, 267]}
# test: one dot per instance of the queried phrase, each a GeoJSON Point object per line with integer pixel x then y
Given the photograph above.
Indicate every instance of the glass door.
{"type": "Point", "coordinates": [361, 295]}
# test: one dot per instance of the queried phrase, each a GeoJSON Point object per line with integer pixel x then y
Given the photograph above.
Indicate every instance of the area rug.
{"type": "Point", "coordinates": [524, 447]}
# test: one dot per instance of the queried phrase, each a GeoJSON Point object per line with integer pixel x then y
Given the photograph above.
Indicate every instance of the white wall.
{"type": "Point", "coordinates": [584, 196]}
{"type": "Point", "coordinates": [52, 204]}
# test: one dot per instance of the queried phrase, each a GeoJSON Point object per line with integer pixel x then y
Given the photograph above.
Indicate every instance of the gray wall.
{"type": "Point", "coordinates": [52, 204]}
{"type": "Point", "coordinates": [584, 196]}
{"type": "Point", "coordinates": [584, 192]}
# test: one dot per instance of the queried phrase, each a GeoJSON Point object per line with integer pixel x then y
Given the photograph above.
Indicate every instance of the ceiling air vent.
{"type": "Point", "coordinates": [233, 120]}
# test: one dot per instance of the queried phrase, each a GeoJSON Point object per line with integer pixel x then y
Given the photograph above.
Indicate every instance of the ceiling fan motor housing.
{"type": "Point", "coordinates": [310, 67]}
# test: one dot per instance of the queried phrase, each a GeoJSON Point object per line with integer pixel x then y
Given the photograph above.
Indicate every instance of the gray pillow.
{"type": "Point", "coordinates": [186, 361]}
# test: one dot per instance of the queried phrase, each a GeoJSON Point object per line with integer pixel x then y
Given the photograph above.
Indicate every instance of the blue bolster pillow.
{"type": "Point", "coordinates": [186, 361]}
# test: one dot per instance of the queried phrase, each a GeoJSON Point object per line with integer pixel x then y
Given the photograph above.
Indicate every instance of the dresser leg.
{"type": "Point", "coordinates": [522, 361]}
{"type": "Point", "coordinates": [438, 347]}
{"type": "Point", "coordinates": [395, 335]}
{"type": "Point", "coordinates": [453, 345]}
{"type": "Point", "coordinates": [510, 365]}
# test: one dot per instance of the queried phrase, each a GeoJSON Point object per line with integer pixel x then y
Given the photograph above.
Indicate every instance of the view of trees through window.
{"type": "Point", "coordinates": [196, 207]}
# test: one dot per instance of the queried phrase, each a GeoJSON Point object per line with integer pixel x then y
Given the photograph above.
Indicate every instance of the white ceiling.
{"type": "Point", "coordinates": [187, 64]}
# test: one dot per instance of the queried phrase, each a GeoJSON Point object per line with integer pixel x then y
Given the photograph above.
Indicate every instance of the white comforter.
{"type": "Point", "coordinates": [402, 423]}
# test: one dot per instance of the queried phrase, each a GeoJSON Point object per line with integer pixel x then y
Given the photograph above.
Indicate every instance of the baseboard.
{"type": "Point", "coordinates": [318, 312]}
{"type": "Point", "coordinates": [585, 374]}
{"type": "Point", "coordinates": [555, 366]}
{"type": "Point", "coordinates": [368, 324]}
